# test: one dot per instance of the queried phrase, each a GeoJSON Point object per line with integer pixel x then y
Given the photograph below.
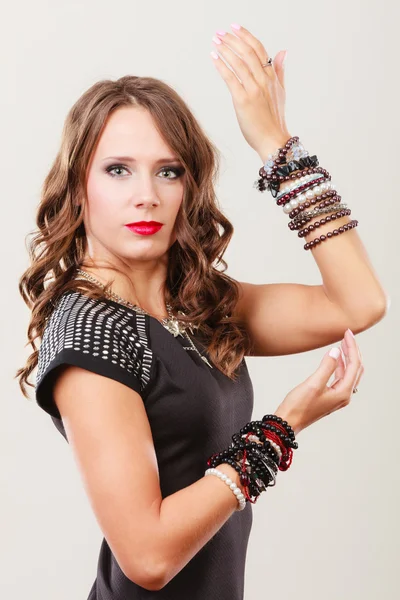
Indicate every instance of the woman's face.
{"type": "Point", "coordinates": [145, 185]}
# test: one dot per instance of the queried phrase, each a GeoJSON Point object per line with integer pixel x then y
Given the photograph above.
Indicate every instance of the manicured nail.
{"type": "Point", "coordinates": [216, 40]}
{"type": "Point", "coordinates": [350, 331]}
{"type": "Point", "coordinates": [214, 54]}
{"type": "Point", "coordinates": [335, 353]}
{"type": "Point", "coordinates": [235, 26]}
{"type": "Point", "coordinates": [284, 57]}
{"type": "Point", "coordinates": [221, 32]}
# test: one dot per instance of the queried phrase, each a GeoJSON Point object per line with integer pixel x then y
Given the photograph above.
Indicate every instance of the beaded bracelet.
{"type": "Point", "coordinates": [309, 187]}
{"type": "Point", "coordinates": [302, 178]}
{"type": "Point", "coordinates": [249, 478]}
{"type": "Point", "coordinates": [235, 488]}
{"type": "Point", "coordinates": [312, 196]}
{"type": "Point", "coordinates": [330, 234]}
{"type": "Point", "coordinates": [246, 460]}
{"type": "Point", "coordinates": [259, 462]}
{"type": "Point", "coordinates": [307, 177]}
{"type": "Point", "coordinates": [304, 218]}
{"type": "Point", "coordinates": [328, 199]}
{"type": "Point", "coordinates": [342, 213]}
{"type": "Point", "coordinates": [268, 446]}
{"type": "Point", "coordinates": [256, 471]}
{"type": "Point", "coordinates": [253, 480]}
{"type": "Point", "coordinates": [299, 178]}
{"type": "Point", "coordinates": [307, 181]}
{"type": "Point", "coordinates": [277, 169]}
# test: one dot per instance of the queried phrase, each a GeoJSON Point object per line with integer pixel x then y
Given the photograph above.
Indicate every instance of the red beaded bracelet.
{"type": "Point", "coordinates": [302, 188]}
{"type": "Point", "coordinates": [302, 173]}
{"type": "Point", "coordinates": [330, 234]}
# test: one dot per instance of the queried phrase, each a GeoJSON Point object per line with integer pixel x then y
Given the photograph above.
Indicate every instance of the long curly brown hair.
{"type": "Point", "coordinates": [194, 284]}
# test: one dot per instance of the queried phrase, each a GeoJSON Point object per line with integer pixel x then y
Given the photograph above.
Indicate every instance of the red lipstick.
{"type": "Point", "coordinates": [145, 227]}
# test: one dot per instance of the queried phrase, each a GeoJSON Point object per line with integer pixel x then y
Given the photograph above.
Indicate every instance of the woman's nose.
{"type": "Point", "coordinates": [145, 193]}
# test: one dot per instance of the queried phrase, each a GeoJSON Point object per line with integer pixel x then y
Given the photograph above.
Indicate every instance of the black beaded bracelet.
{"type": "Point", "coordinates": [266, 444]}
{"type": "Point", "coordinates": [258, 462]}
{"type": "Point", "coordinates": [260, 469]}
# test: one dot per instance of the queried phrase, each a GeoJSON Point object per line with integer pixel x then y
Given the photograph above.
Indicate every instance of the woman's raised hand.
{"type": "Point", "coordinates": [314, 399]}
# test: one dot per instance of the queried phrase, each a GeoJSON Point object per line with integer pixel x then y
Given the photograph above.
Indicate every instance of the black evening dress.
{"type": "Point", "coordinates": [193, 410]}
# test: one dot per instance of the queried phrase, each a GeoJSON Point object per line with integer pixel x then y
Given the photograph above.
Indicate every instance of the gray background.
{"type": "Point", "coordinates": [330, 528]}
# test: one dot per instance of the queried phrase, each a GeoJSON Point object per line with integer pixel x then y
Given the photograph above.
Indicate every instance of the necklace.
{"type": "Point", "coordinates": [171, 323]}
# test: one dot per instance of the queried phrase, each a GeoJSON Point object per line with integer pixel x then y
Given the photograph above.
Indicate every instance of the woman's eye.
{"type": "Point", "coordinates": [112, 171]}
{"type": "Point", "coordinates": [113, 168]}
{"type": "Point", "coordinates": [170, 170]}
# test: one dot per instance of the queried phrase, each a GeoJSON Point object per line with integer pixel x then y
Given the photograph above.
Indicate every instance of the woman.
{"type": "Point", "coordinates": [143, 340]}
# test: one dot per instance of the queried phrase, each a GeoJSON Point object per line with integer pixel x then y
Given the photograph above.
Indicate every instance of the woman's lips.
{"type": "Point", "coordinates": [144, 229]}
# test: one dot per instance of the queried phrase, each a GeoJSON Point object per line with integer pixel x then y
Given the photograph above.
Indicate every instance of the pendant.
{"type": "Point", "coordinates": [193, 347]}
{"type": "Point", "coordinates": [205, 360]}
{"type": "Point", "coordinates": [173, 326]}
{"type": "Point", "coordinates": [189, 326]}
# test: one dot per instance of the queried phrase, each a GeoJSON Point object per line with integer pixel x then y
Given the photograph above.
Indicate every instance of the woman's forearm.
{"type": "Point", "coordinates": [348, 277]}
{"type": "Point", "coordinates": [189, 518]}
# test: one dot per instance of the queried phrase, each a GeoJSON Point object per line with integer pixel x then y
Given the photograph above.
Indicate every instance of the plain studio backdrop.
{"type": "Point", "coordinates": [330, 527]}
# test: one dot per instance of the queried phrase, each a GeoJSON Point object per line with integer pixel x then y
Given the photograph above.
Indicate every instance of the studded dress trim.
{"type": "Point", "coordinates": [101, 336]}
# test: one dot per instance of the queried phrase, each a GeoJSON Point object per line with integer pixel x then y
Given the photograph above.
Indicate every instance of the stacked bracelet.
{"type": "Point", "coordinates": [257, 452]}
{"type": "Point", "coordinates": [296, 182]}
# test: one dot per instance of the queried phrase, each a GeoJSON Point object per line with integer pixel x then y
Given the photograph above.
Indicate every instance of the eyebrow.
{"type": "Point", "coordinates": [132, 159]}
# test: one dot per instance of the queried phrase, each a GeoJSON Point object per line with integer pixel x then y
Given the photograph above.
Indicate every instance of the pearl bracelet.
{"type": "Point", "coordinates": [235, 489]}
{"type": "Point", "coordinates": [294, 184]}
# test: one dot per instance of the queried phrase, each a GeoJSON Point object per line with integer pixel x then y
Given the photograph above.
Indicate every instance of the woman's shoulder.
{"type": "Point", "coordinates": [76, 313]}
{"type": "Point", "coordinates": [100, 335]}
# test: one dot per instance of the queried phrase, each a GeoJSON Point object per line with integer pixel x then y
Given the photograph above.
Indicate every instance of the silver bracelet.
{"type": "Point", "coordinates": [319, 211]}
{"type": "Point", "coordinates": [235, 489]}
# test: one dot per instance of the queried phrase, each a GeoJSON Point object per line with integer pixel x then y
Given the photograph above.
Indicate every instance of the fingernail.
{"type": "Point", "coordinates": [214, 54]}
{"type": "Point", "coordinates": [235, 26]}
{"type": "Point", "coordinates": [284, 57]}
{"type": "Point", "coordinates": [350, 331]}
{"type": "Point", "coordinates": [335, 353]}
{"type": "Point", "coordinates": [216, 40]}
{"type": "Point", "coordinates": [221, 32]}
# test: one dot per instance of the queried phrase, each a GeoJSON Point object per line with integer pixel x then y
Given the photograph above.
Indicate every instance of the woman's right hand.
{"type": "Point", "coordinates": [313, 399]}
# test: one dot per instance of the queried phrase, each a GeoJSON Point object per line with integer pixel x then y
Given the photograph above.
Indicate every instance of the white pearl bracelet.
{"type": "Point", "coordinates": [235, 489]}
{"type": "Point", "coordinates": [308, 195]}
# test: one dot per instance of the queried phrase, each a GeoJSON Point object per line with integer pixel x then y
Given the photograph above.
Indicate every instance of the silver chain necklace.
{"type": "Point", "coordinates": [171, 323]}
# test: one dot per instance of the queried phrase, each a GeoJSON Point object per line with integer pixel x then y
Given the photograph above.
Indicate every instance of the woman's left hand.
{"type": "Point", "coordinates": [258, 93]}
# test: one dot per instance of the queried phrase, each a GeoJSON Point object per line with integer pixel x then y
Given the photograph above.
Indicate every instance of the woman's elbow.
{"type": "Point", "coordinates": [149, 574]}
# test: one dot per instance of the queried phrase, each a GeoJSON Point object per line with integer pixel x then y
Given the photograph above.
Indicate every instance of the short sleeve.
{"type": "Point", "coordinates": [98, 335]}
